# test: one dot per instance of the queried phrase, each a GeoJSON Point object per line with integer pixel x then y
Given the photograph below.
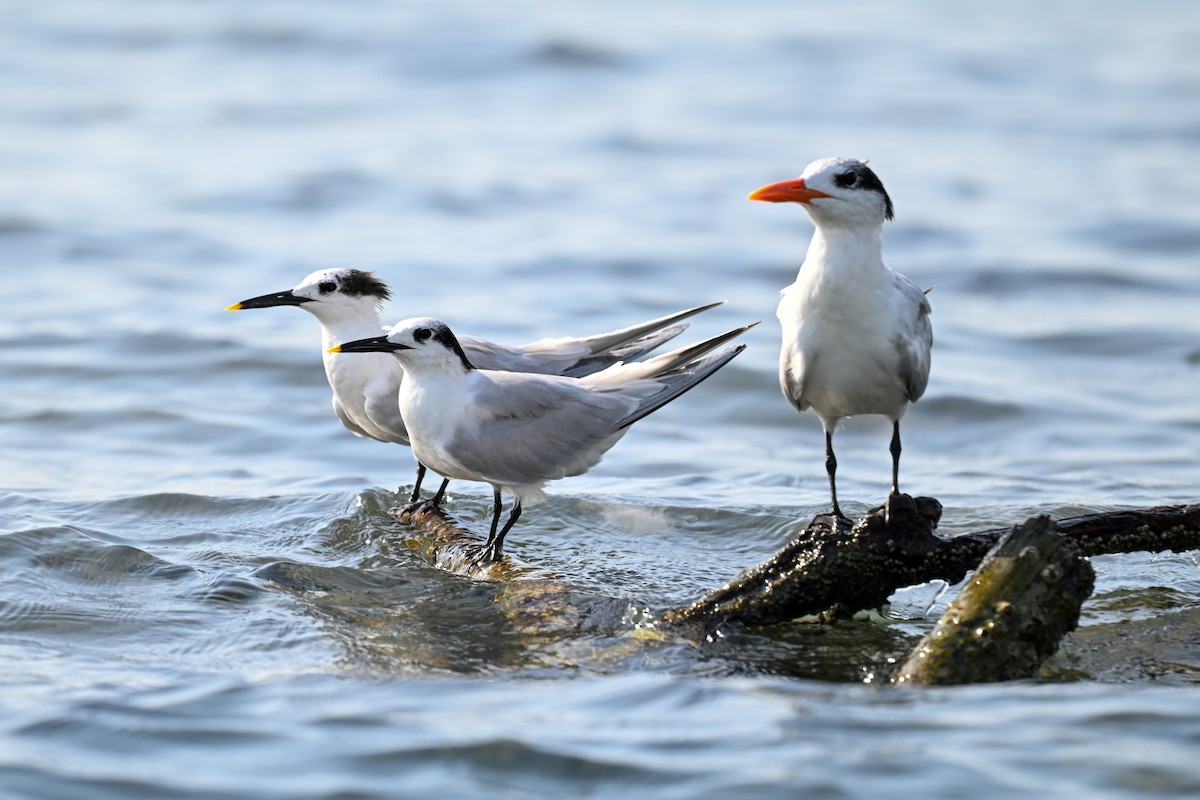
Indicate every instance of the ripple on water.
{"type": "Point", "coordinates": [576, 54]}
{"type": "Point", "coordinates": [84, 588]}
{"type": "Point", "coordinates": [969, 409]}
{"type": "Point", "coordinates": [66, 582]}
{"type": "Point", "coordinates": [1157, 235]}
{"type": "Point", "coordinates": [163, 643]}
{"type": "Point", "coordinates": [310, 193]}
{"type": "Point", "coordinates": [1042, 279]}
{"type": "Point", "coordinates": [1105, 343]}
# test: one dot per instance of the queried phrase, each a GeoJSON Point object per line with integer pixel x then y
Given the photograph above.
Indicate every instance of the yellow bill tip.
{"type": "Point", "coordinates": [234, 307]}
{"type": "Point", "coordinates": [337, 348]}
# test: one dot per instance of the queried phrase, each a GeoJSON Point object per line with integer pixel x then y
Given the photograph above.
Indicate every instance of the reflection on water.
{"type": "Point", "coordinates": [204, 595]}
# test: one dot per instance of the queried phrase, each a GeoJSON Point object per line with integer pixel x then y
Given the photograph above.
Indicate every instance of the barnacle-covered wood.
{"type": "Point", "coordinates": [1157, 529]}
{"type": "Point", "coordinates": [843, 568]}
{"type": "Point", "coordinates": [827, 569]}
{"type": "Point", "coordinates": [1010, 617]}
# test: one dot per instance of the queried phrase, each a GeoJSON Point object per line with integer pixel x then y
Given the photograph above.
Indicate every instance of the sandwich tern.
{"type": "Point", "coordinates": [516, 430]}
{"type": "Point", "coordinates": [347, 303]}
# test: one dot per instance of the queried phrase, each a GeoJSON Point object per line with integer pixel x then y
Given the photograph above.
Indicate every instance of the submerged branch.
{"type": "Point", "coordinates": [449, 545]}
{"type": "Point", "coordinates": [530, 599]}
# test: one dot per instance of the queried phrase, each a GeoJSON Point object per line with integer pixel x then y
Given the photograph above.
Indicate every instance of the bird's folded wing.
{"type": "Point", "coordinates": [350, 424]}
{"type": "Point", "coordinates": [527, 429]}
{"type": "Point", "coordinates": [914, 339]}
{"type": "Point", "coordinates": [556, 356]}
{"type": "Point", "coordinates": [382, 405]}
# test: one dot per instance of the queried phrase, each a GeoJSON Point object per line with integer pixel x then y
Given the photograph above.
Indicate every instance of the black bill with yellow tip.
{"type": "Point", "coordinates": [270, 300]}
{"type": "Point", "coordinates": [376, 344]}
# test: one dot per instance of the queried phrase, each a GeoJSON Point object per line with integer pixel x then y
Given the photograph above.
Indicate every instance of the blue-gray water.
{"type": "Point", "coordinates": [202, 594]}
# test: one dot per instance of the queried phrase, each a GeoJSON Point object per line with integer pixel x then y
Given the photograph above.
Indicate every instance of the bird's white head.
{"type": "Point", "coordinates": [419, 343]}
{"type": "Point", "coordinates": [329, 294]}
{"type": "Point", "coordinates": [834, 191]}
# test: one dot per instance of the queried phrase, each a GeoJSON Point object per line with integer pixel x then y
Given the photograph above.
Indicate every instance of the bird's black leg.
{"type": "Point", "coordinates": [831, 468]}
{"type": "Point", "coordinates": [495, 548]}
{"type": "Point", "coordinates": [896, 457]}
{"type": "Point", "coordinates": [441, 493]}
{"type": "Point", "coordinates": [416, 495]}
{"type": "Point", "coordinates": [414, 501]}
{"type": "Point", "coordinates": [495, 519]}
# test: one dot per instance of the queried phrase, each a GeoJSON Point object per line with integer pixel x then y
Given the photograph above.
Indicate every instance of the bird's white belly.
{"type": "Point", "coordinates": [432, 428]}
{"type": "Point", "coordinates": [842, 369]}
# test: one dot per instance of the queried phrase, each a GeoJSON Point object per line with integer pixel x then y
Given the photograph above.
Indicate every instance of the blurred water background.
{"type": "Point", "coordinates": [202, 593]}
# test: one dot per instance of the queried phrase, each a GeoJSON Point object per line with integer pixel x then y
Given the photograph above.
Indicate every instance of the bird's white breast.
{"type": "Point", "coordinates": [437, 411]}
{"type": "Point", "coordinates": [839, 355]}
{"type": "Point", "coordinates": [361, 378]}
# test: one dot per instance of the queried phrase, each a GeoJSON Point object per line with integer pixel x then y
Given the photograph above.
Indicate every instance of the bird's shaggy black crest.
{"type": "Point", "coordinates": [360, 282]}
{"type": "Point", "coordinates": [860, 176]}
{"type": "Point", "coordinates": [444, 336]}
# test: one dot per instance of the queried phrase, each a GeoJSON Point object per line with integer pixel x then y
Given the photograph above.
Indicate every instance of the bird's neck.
{"type": "Point", "coordinates": [340, 330]}
{"type": "Point", "coordinates": [434, 387]}
{"type": "Point", "coordinates": [850, 249]}
{"type": "Point", "coordinates": [344, 370]}
{"type": "Point", "coordinates": [444, 368]}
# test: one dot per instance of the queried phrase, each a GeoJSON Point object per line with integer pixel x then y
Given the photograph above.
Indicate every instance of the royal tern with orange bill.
{"type": "Point", "coordinates": [856, 335]}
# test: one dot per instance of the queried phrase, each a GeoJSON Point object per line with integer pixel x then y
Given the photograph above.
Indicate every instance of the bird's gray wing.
{"type": "Point", "coordinates": [579, 356]}
{"type": "Point", "coordinates": [627, 344]}
{"type": "Point", "coordinates": [914, 338]}
{"type": "Point", "coordinates": [671, 385]}
{"type": "Point", "coordinates": [624, 353]}
{"type": "Point", "coordinates": [488, 355]}
{"type": "Point", "coordinates": [382, 404]}
{"type": "Point", "coordinates": [604, 342]}
{"type": "Point", "coordinates": [350, 424]}
{"type": "Point", "coordinates": [532, 428]}
{"type": "Point", "coordinates": [792, 365]}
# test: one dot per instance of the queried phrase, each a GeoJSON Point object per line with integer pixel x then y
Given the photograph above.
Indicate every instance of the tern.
{"type": "Point", "coordinates": [347, 303]}
{"type": "Point", "coordinates": [856, 335]}
{"type": "Point", "coordinates": [517, 431]}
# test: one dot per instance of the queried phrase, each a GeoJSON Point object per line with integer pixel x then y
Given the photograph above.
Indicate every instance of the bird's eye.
{"type": "Point", "coordinates": [846, 179]}
{"type": "Point", "coordinates": [327, 286]}
{"type": "Point", "coordinates": [421, 334]}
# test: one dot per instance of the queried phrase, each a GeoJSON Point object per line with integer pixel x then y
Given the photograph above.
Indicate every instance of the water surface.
{"type": "Point", "coordinates": [204, 595]}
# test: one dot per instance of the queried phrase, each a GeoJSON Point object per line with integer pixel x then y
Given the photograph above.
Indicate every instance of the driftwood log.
{"type": "Point", "coordinates": [827, 570]}
{"type": "Point", "coordinates": [834, 569]}
{"type": "Point", "coordinates": [1012, 614]}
